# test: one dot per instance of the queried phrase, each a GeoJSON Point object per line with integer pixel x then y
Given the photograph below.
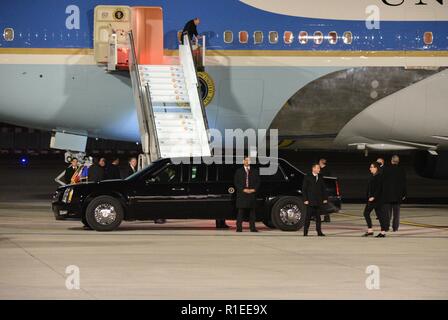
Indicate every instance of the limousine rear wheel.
{"type": "Point", "coordinates": [288, 214]}
{"type": "Point", "coordinates": [104, 213]}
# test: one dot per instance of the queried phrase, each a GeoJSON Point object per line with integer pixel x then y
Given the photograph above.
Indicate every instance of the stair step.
{"type": "Point", "coordinates": [173, 116]}
{"type": "Point", "coordinates": [150, 67]}
{"type": "Point", "coordinates": [169, 98]}
{"type": "Point", "coordinates": [167, 86]}
{"type": "Point", "coordinates": [163, 81]}
{"type": "Point", "coordinates": [173, 110]}
{"type": "Point", "coordinates": [169, 92]}
{"type": "Point", "coordinates": [175, 122]}
{"type": "Point", "coordinates": [178, 136]}
{"type": "Point", "coordinates": [155, 75]}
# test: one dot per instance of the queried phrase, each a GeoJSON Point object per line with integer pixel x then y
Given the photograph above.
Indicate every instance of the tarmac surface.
{"type": "Point", "coordinates": [189, 259]}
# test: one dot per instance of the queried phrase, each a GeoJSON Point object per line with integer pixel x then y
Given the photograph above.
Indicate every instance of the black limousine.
{"type": "Point", "coordinates": [169, 190]}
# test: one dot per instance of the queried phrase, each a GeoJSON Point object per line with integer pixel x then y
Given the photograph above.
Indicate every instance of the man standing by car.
{"type": "Point", "coordinates": [314, 197]}
{"type": "Point", "coordinates": [394, 190]}
{"type": "Point", "coordinates": [246, 181]}
{"type": "Point", "coordinates": [324, 171]}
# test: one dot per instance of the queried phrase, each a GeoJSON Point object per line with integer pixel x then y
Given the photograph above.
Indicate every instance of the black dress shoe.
{"type": "Point", "coordinates": [253, 230]}
{"type": "Point", "coordinates": [239, 230]}
{"type": "Point", "coordinates": [380, 235]}
{"type": "Point", "coordinates": [305, 234]}
{"type": "Point", "coordinates": [222, 227]}
{"type": "Point", "coordinates": [327, 218]}
{"type": "Point", "coordinates": [321, 235]}
{"type": "Point", "coordinates": [367, 234]}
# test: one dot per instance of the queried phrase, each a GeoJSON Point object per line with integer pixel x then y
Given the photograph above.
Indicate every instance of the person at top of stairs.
{"type": "Point", "coordinates": [191, 28]}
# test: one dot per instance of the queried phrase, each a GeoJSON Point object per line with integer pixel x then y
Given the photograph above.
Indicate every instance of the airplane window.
{"type": "Point", "coordinates": [273, 37]}
{"type": "Point", "coordinates": [318, 37]}
{"type": "Point", "coordinates": [8, 34]}
{"type": "Point", "coordinates": [428, 38]}
{"type": "Point", "coordinates": [258, 37]}
{"type": "Point", "coordinates": [333, 37]}
{"type": "Point", "coordinates": [244, 36]}
{"type": "Point", "coordinates": [288, 37]}
{"type": "Point", "coordinates": [303, 37]}
{"type": "Point", "coordinates": [348, 37]}
{"type": "Point", "coordinates": [228, 36]}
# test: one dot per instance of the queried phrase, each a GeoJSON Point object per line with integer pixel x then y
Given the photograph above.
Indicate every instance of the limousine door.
{"type": "Point", "coordinates": [162, 195]}
{"type": "Point", "coordinates": [220, 191]}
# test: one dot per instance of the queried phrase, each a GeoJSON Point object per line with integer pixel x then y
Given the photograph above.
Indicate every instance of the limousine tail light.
{"type": "Point", "coordinates": [337, 188]}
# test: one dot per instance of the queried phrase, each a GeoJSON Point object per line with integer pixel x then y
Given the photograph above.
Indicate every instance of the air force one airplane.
{"type": "Point", "coordinates": [344, 74]}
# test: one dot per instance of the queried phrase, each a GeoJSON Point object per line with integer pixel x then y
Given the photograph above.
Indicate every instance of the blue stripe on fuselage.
{"type": "Point", "coordinates": [41, 24]}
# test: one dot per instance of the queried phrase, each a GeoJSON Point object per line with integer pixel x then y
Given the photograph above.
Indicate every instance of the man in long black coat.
{"type": "Point", "coordinates": [394, 190]}
{"type": "Point", "coordinates": [314, 197]}
{"type": "Point", "coordinates": [247, 182]}
{"type": "Point", "coordinates": [113, 171]}
{"type": "Point", "coordinates": [324, 171]}
{"type": "Point", "coordinates": [97, 171]}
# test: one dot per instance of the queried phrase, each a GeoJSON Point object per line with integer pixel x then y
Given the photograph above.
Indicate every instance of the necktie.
{"type": "Point", "coordinates": [247, 177]}
{"type": "Point", "coordinates": [317, 177]}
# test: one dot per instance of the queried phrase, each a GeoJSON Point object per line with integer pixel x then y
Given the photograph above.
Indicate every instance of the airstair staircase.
{"type": "Point", "coordinates": [170, 112]}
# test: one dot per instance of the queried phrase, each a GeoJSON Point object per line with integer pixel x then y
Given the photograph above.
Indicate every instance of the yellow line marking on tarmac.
{"type": "Point", "coordinates": [408, 223]}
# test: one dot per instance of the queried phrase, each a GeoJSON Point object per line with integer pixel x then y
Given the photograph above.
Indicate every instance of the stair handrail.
{"type": "Point", "coordinates": [204, 115]}
{"type": "Point", "coordinates": [135, 78]}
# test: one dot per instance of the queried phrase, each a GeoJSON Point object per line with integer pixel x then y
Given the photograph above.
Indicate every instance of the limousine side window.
{"type": "Point", "coordinates": [170, 174]}
{"type": "Point", "coordinates": [227, 172]}
{"type": "Point", "coordinates": [212, 173]}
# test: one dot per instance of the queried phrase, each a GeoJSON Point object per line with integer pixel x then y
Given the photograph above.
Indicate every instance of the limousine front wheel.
{"type": "Point", "coordinates": [288, 214]}
{"type": "Point", "coordinates": [104, 213]}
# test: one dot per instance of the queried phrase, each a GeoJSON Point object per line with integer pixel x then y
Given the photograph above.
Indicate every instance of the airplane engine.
{"type": "Point", "coordinates": [432, 166]}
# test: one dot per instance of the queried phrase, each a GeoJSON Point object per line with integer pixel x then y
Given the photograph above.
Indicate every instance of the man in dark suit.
{"type": "Point", "coordinates": [394, 190]}
{"type": "Point", "coordinates": [324, 171]}
{"type": "Point", "coordinates": [314, 197]}
{"type": "Point", "coordinates": [380, 161]}
{"type": "Point", "coordinates": [113, 170]}
{"type": "Point", "coordinates": [131, 168]}
{"type": "Point", "coordinates": [96, 171]}
{"type": "Point", "coordinates": [70, 171]}
{"type": "Point", "coordinates": [191, 28]}
{"type": "Point", "coordinates": [247, 182]}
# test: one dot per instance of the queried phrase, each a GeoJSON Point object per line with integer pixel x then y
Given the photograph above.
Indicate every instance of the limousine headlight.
{"type": "Point", "coordinates": [68, 194]}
